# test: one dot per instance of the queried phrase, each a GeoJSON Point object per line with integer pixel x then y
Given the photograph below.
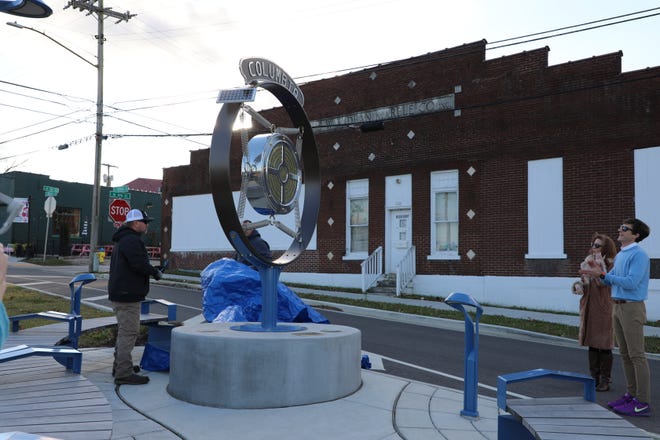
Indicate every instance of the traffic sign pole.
{"type": "Point", "coordinates": [49, 207]}
{"type": "Point", "coordinates": [46, 237]}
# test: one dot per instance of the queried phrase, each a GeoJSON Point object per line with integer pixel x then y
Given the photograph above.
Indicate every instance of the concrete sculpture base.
{"type": "Point", "coordinates": [213, 365]}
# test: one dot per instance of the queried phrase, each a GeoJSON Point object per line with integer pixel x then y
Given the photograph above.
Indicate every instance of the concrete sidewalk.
{"type": "Point", "coordinates": [384, 408]}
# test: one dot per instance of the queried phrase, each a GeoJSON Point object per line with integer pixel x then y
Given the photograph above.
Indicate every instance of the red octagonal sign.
{"type": "Point", "coordinates": [118, 210]}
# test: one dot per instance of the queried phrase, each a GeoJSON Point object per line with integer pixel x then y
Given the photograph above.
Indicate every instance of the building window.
{"type": "Point", "coordinates": [66, 222]}
{"type": "Point", "coordinates": [545, 209]}
{"type": "Point", "coordinates": [357, 218]}
{"type": "Point", "coordinates": [444, 214]}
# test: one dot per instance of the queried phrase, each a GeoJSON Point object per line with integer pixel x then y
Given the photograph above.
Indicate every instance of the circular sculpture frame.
{"type": "Point", "coordinates": [220, 178]}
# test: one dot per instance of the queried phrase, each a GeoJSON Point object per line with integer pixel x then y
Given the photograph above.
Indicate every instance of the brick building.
{"type": "Point", "coordinates": [493, 173]}
{"type": "Point", "coordinates": [71, 219]}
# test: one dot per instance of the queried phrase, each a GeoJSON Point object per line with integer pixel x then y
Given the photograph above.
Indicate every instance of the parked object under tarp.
{"type": "Point", "coordinates": [232, 293]}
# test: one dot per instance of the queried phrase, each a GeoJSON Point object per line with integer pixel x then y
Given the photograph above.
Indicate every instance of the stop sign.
{"type": "Point", "coordinates": [118, 210]}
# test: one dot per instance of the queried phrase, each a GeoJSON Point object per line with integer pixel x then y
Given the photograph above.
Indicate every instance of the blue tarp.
{"type": "Point", "coordinates": [232, 293]}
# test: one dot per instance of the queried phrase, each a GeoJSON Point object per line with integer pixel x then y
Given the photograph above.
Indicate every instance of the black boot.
{"type": "Point", "coordinates": [594, 365]}
{"type": "Point", "coordinates": [605, 361]}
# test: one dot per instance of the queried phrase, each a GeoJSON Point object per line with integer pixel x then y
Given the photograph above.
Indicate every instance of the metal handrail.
{"type": "Point", "coordinates": [372, 268]}
{"type": "Point", "coordinates": [406, 270]}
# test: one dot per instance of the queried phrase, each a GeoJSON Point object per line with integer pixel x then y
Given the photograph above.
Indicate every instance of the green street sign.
{"type": "Point", "coordinates": [120, 195]}
{"type": "Point", "coordinates": [50, 194]}
{"type": "Point", "coordinates": [120, 189]}
{"type": "Point", "coordinates": [51, 189]}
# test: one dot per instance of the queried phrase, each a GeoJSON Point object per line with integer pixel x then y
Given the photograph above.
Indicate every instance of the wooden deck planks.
{"type": "Point", "coordinates": [572, 418]}
{"type": "Point", "coordinates": [38, 395]}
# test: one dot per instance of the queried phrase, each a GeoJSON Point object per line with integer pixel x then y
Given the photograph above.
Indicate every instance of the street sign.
{"type": "Point", "coordinates": [120, 195]}
{"type": "Point", "coordinates": [50, 194]}
{"type": "Point", "coordinates": [120, 189]}
{"type": "Point", "coordinates": [49, 206]}
{"type": "Point", "coordinates": [118, 210]}
{"type": "Point", "coordinates": [51, 189]}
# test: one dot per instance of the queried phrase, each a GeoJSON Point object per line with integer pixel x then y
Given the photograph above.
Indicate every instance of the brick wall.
{"type": "Point", "coordinates": [512, 110]}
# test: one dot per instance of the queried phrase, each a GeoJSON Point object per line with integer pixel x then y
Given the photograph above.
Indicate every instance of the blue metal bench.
{"type": "Point", "coordinates": [69, 356]}
{"type": "Point", "coordinates": [171, 307]}
{"type": "Point", "coordinates": [558, 417]}
{"type": "Point", "coordinates": [73, 317]}
{"type": "Point", "coordinates": [159, 335]}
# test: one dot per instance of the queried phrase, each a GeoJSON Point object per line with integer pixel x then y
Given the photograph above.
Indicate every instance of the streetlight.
{"type": "Point", "coordinates": [20, 26]}
{"type": "Point", "coordinates": [92, 7]}
{"type": "Point", "coordinates": [99, 135]}
{"type": "Point", "coordinates": [26, 8]}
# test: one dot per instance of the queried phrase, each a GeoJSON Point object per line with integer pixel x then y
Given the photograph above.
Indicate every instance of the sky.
{"type": "Point", "coordinates": [163, 67]}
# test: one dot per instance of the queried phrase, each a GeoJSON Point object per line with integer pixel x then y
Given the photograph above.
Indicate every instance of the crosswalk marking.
{"type": "Point", "coordinates": [440, 373]}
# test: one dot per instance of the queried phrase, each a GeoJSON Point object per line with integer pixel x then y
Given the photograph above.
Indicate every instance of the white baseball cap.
{"type": "Point", "coordinates": [137, 215]}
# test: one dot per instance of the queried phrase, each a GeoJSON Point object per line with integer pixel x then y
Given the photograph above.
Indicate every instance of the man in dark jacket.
{"type": "Point", "coordinates": [259, 244]}
{"type": "Point", "coordinates": [127, 287]}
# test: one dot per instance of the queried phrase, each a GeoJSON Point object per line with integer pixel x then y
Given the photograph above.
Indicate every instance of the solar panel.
{"type": "Point", "coordinates": [246, 94]}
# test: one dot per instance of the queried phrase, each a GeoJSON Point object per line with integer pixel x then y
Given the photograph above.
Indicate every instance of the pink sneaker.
{"type": "Point", "coordinates": [634, 408]}
{"type": "Point", "coordinates": [626, 398]}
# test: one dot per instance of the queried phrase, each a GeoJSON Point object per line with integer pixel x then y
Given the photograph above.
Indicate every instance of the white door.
{"type": "Point", "coordinates": [400, 238]}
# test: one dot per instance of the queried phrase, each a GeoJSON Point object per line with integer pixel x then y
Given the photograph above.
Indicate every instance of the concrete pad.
{"type": "Point", "coordinates": [380, 391]}
{"type": "Point", "coordinates": [214, 365]}
{"type": "Point", "coordinates": [350, 418]}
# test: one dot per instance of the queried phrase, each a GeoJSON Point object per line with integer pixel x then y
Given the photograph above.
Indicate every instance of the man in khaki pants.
{"type": "Point", "coordinates": [629, 279]}
{"type": "Point", "coordinates": [127, 287]}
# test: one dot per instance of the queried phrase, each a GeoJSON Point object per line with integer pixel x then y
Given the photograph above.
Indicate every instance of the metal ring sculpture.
{"type": "Point", "coordinates": [273, 168]}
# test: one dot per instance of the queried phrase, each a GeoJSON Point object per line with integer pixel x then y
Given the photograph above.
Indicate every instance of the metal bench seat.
{"type": "Point", "coordinates": [67, 356]}
{"type": "Point", "coordinates": [557, 418]}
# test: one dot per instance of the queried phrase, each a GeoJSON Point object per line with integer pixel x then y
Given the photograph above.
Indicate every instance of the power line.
{"type": "Point", "coordinates": [40, 132]}
{"type": "Point", "coordinates": [55, 117]}
{"type": "Point", "coordinates": [36, 89]}
{"type": "Point", "coordinates": [23, 95]}
{"type": "Point", "coordinates": [388, 65]}
{"type": "Point", "coordinates": [398, 63]}
{"type": "Point", "coordinates": [573, 26]}
{"type": "Point", "coordinates": [181, 135]}
{"type": "Point", "coordinates": [575, 31]}
{"type": "Point", "coordinates": [163, 134]}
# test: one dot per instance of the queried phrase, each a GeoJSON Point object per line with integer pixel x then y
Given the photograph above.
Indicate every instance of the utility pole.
{"type": "Point", "coordinates": [95, 8]}
{"type": "Point", "coordinates": [108, 177]}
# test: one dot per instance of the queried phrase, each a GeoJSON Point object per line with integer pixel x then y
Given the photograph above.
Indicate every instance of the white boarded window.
{"type": "Point", "coordinates": [196, 228]}
{"type": "Point", "coordinates": [357, 218]}
{"type": "Point", "coordinates": [545, 209]}
{"type": "Point", "coordinates": [647, 205]}
{"type": "Point", "coordinates": [444, 214]}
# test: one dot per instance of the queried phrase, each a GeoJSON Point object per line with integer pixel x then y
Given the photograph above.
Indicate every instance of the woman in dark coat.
{"type": "Point", "coordinates": [596, 311]}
